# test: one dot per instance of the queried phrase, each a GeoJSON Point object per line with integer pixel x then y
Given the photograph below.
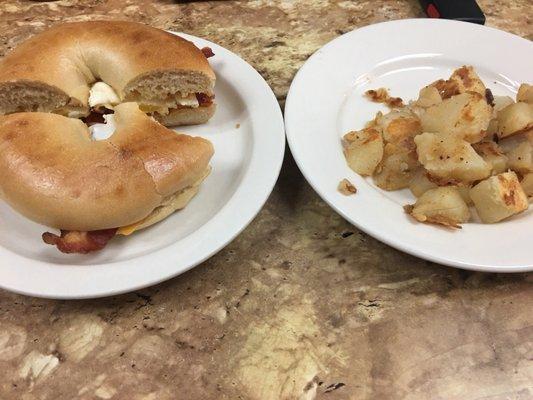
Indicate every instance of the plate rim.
{"type": "Point", "coordinates": [323, 193]}
{"type": "Point", "coordinates": [239, 221]}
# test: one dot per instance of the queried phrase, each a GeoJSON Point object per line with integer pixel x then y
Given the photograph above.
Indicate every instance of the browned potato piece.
{"type": "Point", "coordinates": [519, 152]}
{"type": "Point", "coordinates": [514, 119]}
{"type": "Point", "coordinates": [450, 159]}
{"type": "Point", "coordinates": [499, 197]}
{"type": "Point", "coordinates": [462, 80]}
{"type": "Point", "coordinates": [400, 127]}
{"type": "Point", "coordinates": [396, 168]}
{"type": "Point", "coordinates": [363, 150]}
{"type": "Point", "coordinates": [466, 116]}
{"type": "Point", "coordinates": [468, 80]}
{"type": "Point", "coordinates": [442, 205]}
{"type": "Point", "coordinates": [527, 184]}
{"type": "Point", "coordinates": [525, 93]}
{"type": "Point", "coordinates": [420, 183]}
{"type": "Point", "coordinates": [493, 155]}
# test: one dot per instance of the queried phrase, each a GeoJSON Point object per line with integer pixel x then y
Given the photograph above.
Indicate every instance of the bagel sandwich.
{"type": "Point", "coordinates": [55, 174]}
{"type": "Point", "coordinates": [76, 69]}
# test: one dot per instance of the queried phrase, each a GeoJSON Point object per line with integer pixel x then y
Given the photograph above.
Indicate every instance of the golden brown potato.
{"type": "Point", "coordinates": [527, 184]}
{"type": "Point", "coordinates": [450, 159]}
{"type": "Point", "coordinates": [363, 150]}
{"type": "Point", "coordinates": [468, 80]}
{"type": "Point", "coordinates": [514, 119]}
{"type": "Point", "coordinates": [466, 116]}
{"type": "Point", "coordinates": [525, 93]}
{"type": "Point", "coordinates": [493, 155]}
{"type": "Point", "coordinates": [400, 127]}
{"type": "Point", "coordinates": [499, 197]}
{"type": "Point", "coordinates": [396, 169]}
{"type": "Point", "coordinates": [420, 183]}
{"type": "Point", "coordinates": [462, 80]}
{"type": "Point", "coordinates": [443, 205]}
{"type": "Point", "coordinates": [519, 152]}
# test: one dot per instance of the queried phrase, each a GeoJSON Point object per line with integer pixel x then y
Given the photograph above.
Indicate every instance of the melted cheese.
{"type": "Point", "coordinates": [164, 106]}
{"type": "Point", "coordinates": [172, 203]}
{"type": "Point", "coordinates": [103, 95]}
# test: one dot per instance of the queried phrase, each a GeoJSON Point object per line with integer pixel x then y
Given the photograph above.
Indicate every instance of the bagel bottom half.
{"type": "Point", "coordinates": [55, 174]}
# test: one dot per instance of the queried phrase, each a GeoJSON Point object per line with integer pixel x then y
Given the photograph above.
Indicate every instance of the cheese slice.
{"type": "Point", "coordinates": [164, 106]}
{"type": "Point", "coordinates": [172, 203]}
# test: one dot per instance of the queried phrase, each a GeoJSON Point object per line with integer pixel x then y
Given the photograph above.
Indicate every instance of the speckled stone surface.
{"type": "Point", "coordinates": [301, 305]}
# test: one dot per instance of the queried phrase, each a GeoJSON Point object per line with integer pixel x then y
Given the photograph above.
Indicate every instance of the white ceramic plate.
{"type": "Point", "coordinates": [248, 135]}
{"type": "Point", "coordinates": [325, 101]}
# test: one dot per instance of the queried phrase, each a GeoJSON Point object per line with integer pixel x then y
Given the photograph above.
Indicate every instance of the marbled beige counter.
{"type": "Point", "coordinates": [301, 305]}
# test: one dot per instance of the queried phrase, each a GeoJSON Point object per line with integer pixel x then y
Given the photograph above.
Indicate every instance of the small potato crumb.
{"type": "Point", "coordinates": [346, 188]}
{"type": "Point", "coordinates": [237, 126]}
{"type": "Point", "coordinates": [381, 95]}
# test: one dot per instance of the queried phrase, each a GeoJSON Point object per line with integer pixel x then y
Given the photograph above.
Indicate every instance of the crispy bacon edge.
{"type": "Point", "coordinates": [208, 52]}
{"type": "Point", "coordinates": [96, 116]}
{"type": "Point", "coordinates": [79, 242]}
{"type": "Point", "coordinates": [204, 99]}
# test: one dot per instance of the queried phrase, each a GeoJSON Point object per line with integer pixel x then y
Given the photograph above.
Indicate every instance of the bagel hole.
{"type": "Point", "coordinates": [101, 127]}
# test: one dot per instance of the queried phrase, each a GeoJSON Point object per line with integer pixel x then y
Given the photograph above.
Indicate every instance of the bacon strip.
{"type": "Point", "coordinates": [80, 242]}
{"type": "Point", "coordinates": [208, 52]}
{"type": "Point", "coordinates": [204, 100]}
{"type": "Point", "coordinates": [96, 116]}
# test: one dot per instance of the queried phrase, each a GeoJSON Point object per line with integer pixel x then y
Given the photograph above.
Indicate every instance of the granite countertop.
{"type": "Point", "coordinates": [301, 305]}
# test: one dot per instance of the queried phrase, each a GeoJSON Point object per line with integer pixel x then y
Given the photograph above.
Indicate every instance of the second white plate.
{"type": "Point", "coordinates": [326, 100]}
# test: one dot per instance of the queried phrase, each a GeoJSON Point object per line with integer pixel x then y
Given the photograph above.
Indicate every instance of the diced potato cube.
{"type": "Point", "coordinates": [450, 159]}
{"type": "Point", "coordinates": [468, 80]}
{"type": "Point", "coordinates": [442, 205]}
{"type": "Point", "coordinates": [466, 116]}
{"type": "Point", "coordinates": [521, 158]}
{"type": "Point", "coordinates": [363, 150]}
{"type": "Point", "coordinates": [400, 127]}
{"type": "Point", "coordinates": [514, 119]}
{"type": "Point", "coordinates": [493, 155]}
{"type": "Point", "coordinates": [396, 169]}
{"type": "Point", "coordinates": [525, 93]}
{"type": "Point", "coordinates": [519, 152]}
{"type": "Point", "coordinates": [428, 96]}
{"type": "Point", "coordinates": [420, 183]}
{"type": "Point", "coordinates": [499, 197]}
{"type": "Point", "coordinates": [527, 184]}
